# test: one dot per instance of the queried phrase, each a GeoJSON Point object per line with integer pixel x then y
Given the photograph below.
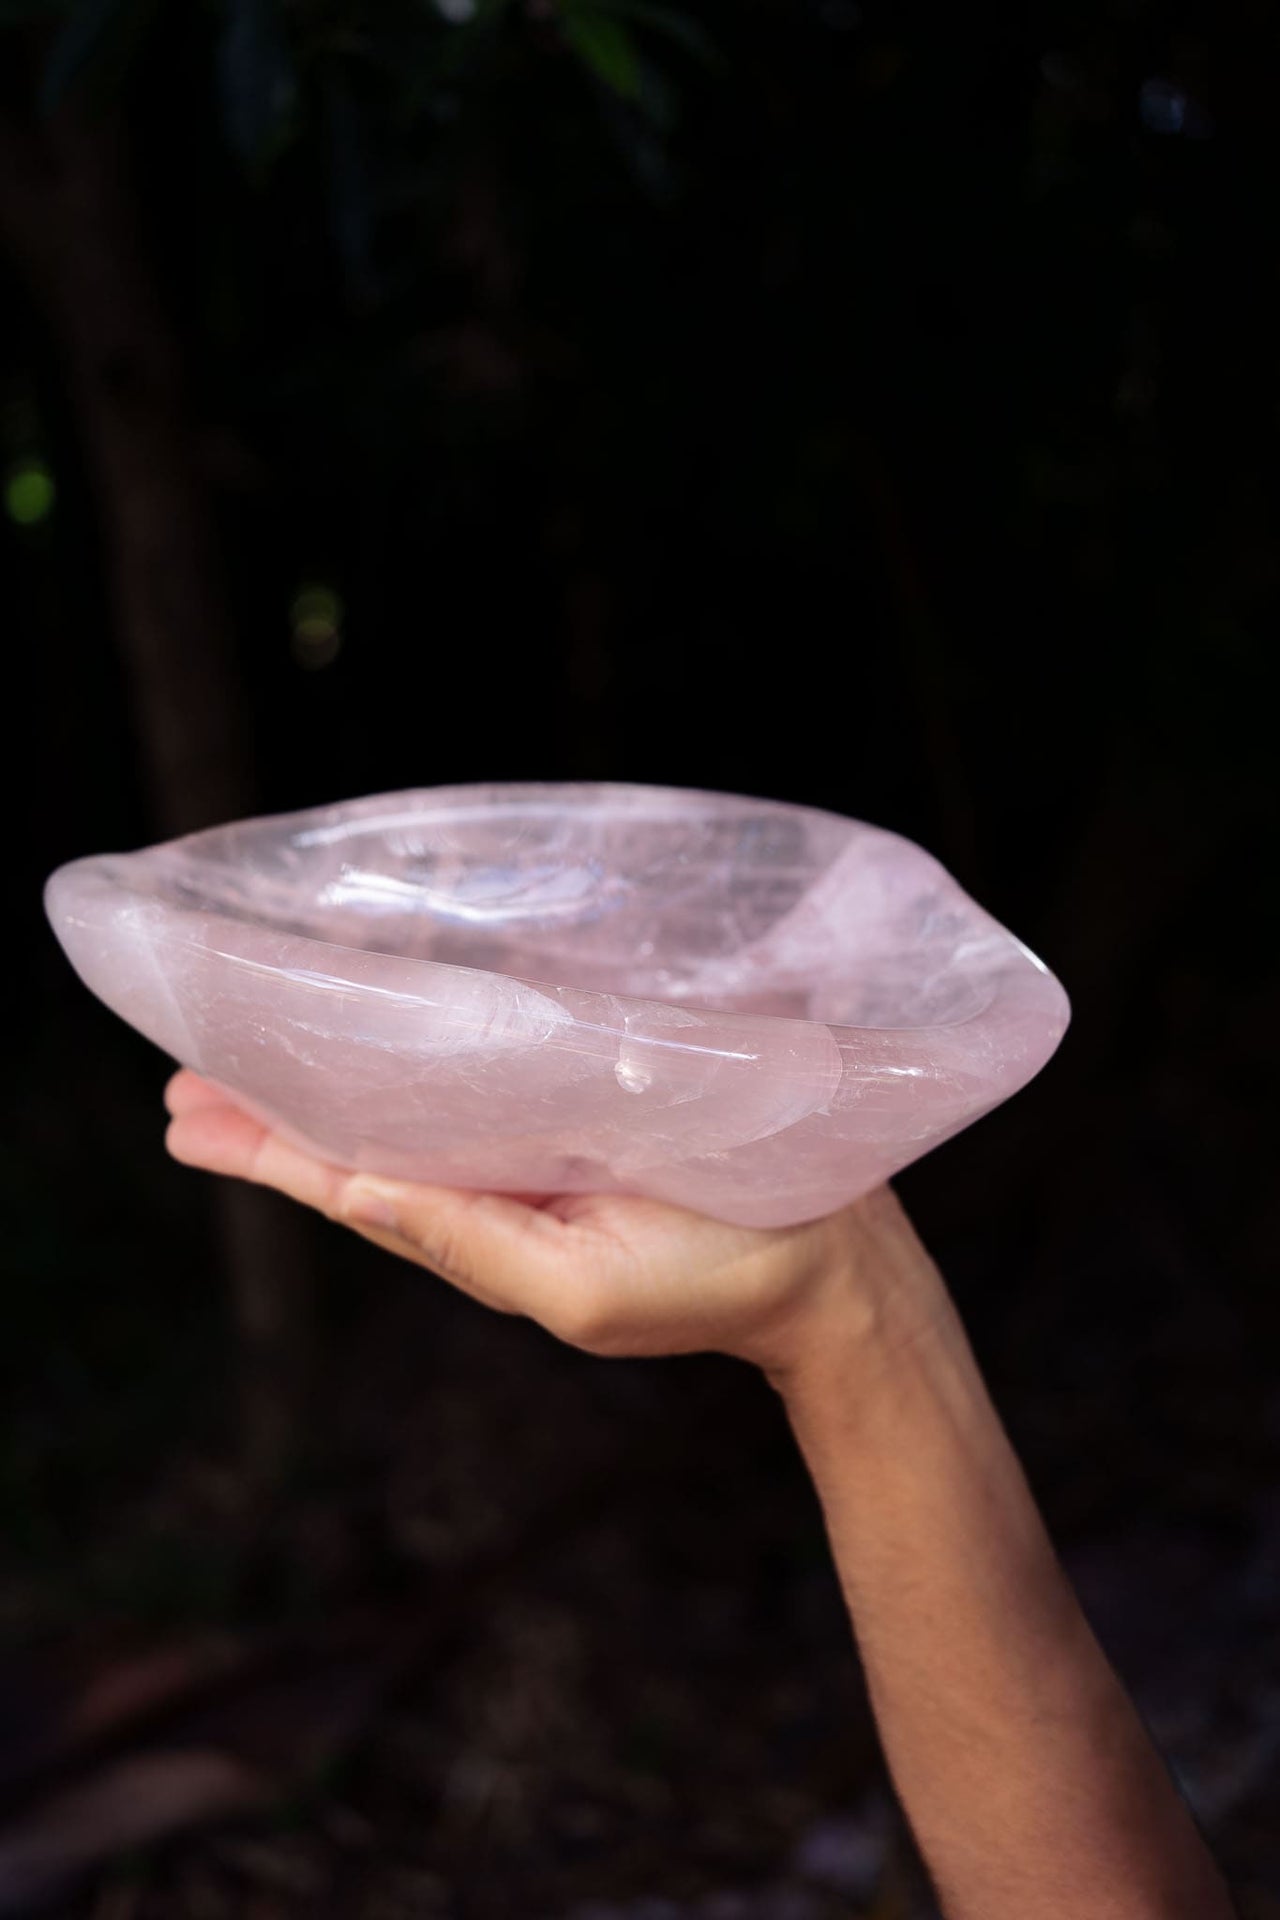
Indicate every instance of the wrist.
{"type": "Point", "coordinates": [878, 1300]}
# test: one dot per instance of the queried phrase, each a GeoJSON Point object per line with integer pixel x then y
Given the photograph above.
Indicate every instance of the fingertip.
{"type": "Point", "coordinates": [178, 1145]}
{"type": "Point", "coordinates": [218, 1138]}
{"type": "Point", "coordinates": [187, 1091]}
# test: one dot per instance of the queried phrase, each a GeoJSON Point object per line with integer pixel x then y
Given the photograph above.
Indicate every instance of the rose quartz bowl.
{"type": "Point", "coordinates": [755, 1010]}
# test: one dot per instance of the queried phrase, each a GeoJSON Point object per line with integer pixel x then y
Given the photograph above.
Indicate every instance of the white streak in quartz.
{"type": "Point", "coordinates": [473, 900]}
{"type": "Point", "coordinates": [140, 933]}
{"type": "Point", "coordinates": [632, 1075]}
{"type": "Point", "coordinates": [448, 816]}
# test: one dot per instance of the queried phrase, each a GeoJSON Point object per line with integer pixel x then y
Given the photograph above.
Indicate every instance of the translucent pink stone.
{"type": "Point", "coordinates": [755, 1010]}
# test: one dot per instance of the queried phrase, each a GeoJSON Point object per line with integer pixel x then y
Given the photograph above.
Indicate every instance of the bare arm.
{"type": "Point", "coordinates": [1026, 1774]}
{"type": "Point", "coordinates": [1028, 1778]}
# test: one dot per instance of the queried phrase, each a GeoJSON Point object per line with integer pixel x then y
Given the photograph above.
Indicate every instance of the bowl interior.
{"type": "Point", "coordinates": [695, 898]}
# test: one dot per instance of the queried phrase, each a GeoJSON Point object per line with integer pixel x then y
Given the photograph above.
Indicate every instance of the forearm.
{"type": "Point", "coordinates": [1029, 1781]}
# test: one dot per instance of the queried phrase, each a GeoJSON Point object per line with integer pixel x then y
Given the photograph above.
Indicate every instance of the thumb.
{"type": "Point", "coordinates": [496, 1248]}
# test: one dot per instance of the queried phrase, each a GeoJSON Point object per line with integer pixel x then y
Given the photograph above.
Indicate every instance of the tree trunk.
{"type": "Point", "coordinates": [69, 212]}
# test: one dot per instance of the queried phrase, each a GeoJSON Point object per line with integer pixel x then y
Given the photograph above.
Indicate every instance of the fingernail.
{"type": "Point", "coordinates": [367, 1204]}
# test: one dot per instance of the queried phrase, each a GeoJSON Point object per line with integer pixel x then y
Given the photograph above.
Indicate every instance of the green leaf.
{"type": "Point", "coordinates": [257, 80]}
{"type": "Point", "coordinates": [605, 46]}
{"type": "Point", "coordinates": [669, 22]}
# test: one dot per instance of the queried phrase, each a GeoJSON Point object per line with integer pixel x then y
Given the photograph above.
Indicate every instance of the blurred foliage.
{"type": "Point", "coordinates": [823, 399]}
{"type": "Point", "coordinates": [272, 61]}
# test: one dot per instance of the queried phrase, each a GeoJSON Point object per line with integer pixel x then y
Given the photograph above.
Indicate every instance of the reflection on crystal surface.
{"type": "Point", "coordinates": [753, 1009]}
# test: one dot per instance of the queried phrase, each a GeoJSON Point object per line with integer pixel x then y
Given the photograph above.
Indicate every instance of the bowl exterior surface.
{"type": "Point", "coordinates": [752, 1009]}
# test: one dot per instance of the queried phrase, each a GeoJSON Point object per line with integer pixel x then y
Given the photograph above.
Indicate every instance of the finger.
{"type": "Point", "coordinates": [187, 1091]}
{"type": "Point", "coordinates": [224, 1140]}
{"type": "Point", "coordinates": [403, 1249]}
{"type": "Point", "coordinates": [491, 1244]}
{"type": "Point", "coordinates": [498, 1249]}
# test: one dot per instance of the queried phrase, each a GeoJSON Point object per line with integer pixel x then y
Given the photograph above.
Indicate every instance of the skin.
{"type": "Point", "coordinates": [1029, 1780]}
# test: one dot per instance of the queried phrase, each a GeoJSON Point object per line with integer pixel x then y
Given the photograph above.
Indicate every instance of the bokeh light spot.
{"type": "Point", "coordinates": [1169, 109]}
{"type": "Point", "coordinates": [29, 493]}
{"type": "Point", "coordinates": [316, 620]}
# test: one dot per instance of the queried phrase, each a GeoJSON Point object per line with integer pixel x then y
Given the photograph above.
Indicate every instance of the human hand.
{"type": "Point", "coordinates": [616, 1275]}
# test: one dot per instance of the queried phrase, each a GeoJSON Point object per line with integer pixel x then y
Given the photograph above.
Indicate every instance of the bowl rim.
{"type": "Point", "coordinates": [112, 870]}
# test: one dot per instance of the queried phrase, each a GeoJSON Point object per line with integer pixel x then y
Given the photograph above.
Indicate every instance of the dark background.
{"type": "Point", "coordinates": [820, 401]}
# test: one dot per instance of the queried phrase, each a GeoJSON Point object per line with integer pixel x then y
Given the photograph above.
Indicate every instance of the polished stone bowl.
{"type": "Point", "coordinates": [755, 1010]}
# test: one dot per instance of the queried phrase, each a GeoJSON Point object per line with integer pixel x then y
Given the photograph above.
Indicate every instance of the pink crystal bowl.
{"type": "Point", "coordinates": [752, 1009]}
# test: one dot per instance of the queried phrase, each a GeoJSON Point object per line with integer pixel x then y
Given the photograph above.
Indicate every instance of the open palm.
{"type": "Point", "coordinates": [613, 1274]}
